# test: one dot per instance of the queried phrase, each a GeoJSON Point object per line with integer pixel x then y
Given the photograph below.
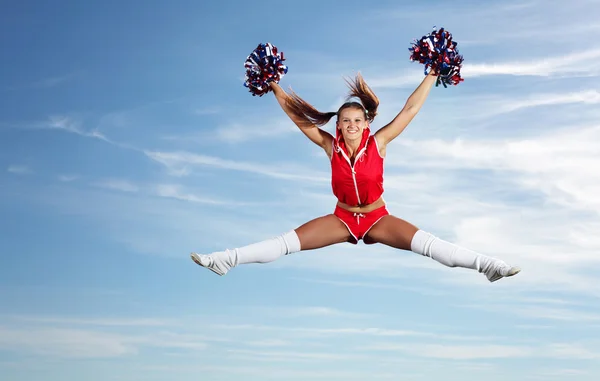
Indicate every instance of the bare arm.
{"type": "Point", "coordinates": [413, 104]}
{"type": "Point", "coordinates": [318, 136]}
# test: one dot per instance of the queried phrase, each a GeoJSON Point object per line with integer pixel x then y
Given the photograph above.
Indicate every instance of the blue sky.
{"type": "Point", "coordinates": [127, 141]}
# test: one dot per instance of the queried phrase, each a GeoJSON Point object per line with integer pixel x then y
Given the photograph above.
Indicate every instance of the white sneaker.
{"type": "Point", "coordinates": [501, 270]}
{"type": "Point", "coordinates": [218, 263]}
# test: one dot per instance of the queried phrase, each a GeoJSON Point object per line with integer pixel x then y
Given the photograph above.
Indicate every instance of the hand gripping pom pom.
{"type": "Point", "coordinates": [439, 53]}
{"type": "Point", "coordinates": [264, 65]}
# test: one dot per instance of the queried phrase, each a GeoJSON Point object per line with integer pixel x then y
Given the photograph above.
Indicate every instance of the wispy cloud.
{"type": "Point", "coordinates": [72, 125]}
{"type": "Point", "coordinates": [19, 169]}
{"type": "Point", "coordinates": [315, 311]}
{"type": "Point", "coordinates": [182, 163]}
{"type": "Point", "coordinates": [270, 343]}
{"type": "Point", "coordinates": [65, 342]}
{"type": "Point", "coordinates": [168, 191]}
{"type": "Point", "coordinates": [117, 184]}
{"type": "Point", "coordinates": [554, 373]}
{"type": "Point", "coordinates": [67, 178]}
{"type": "Point", "coordinates": [490, 351]}
{"type": "Point", "coordinates": [86, 343]}
{"type": "Point", "coordinates": [49, 82]}
{"type": "Point", "coordinates": [570, 64]}
{"type": "Point", "coordinates": [296, 355]}
{"type": "Point", "coordinates": [207, 110]}
{"type": "Point", "coordinates": [59, 337]}
{"type": "Point", "coordinates": [91, 321]}
{"type": "Point", "coordinates": [408, 12]}
{"type": "Point", "coordinates": [178, 192]}
{"type": "Point", "coordinates": [272, 371]}
{"type": "Point", "coordinates": [492, 107]}
{"type": "Point", "coordinates": [538, 313]}
{"type": "Point", "coordinates": [75, 125]}
{"type": "Point", "coordinates": [502, 24]}
{"type": "Point", "coordinates": [237, 132]}
{"type": "Point", "coordinates": [574, 64]}
{"type": "Point", "coordinates": [543, 300]}
{"type": "Point", "coordinates": [355, 284]}
{"type": "Point", "coordinates": [557, 164]}
{"type": "Point", "coordinates": [348, 331]}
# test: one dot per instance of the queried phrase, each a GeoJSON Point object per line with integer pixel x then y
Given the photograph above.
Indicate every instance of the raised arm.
{"type": "Point", "coordinates": [412, 106]}
{"type": "Point", "coordinates": [317, 135]}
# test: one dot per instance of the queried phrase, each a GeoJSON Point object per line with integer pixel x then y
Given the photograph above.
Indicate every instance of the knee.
{"type": "Point", "coordinates": [421, 242]}
{"type": "Point", "coordinates": [291, 241]}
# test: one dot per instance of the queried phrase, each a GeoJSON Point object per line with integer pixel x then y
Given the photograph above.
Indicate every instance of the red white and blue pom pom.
{"type": "Point", "coordinates": [439, 53]}
{"type": "Point", "coordinates": [264, 65]}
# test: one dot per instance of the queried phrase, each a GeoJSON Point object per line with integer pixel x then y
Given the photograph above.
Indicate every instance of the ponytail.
{"type": "Point", "coordinates": [358, 88]}
{"type": "Point", "coordinates": [362, 91]}
{"type": "Point", "coordinates": [307, 111]}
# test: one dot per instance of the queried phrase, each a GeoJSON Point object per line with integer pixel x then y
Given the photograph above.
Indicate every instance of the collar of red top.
{"type": "Point", "coordinates": [339, 138]}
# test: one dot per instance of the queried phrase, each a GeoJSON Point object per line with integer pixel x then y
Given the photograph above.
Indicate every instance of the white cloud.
{"type": "Point", "coordinates": [494, 107]}
{"type": "Point", "coordinates": [314, 311]}
{"type": "Point", "coordinates": [44, 336]}
{"type": "Point", "coordinates": [68, 178]}
{"type": "Point", "coordinates": [559, 164]}
{"type": "Point", "coordinates": [65, 342]}
{"type": "Point", "coordinates": [462, 10]}
{"type": "Point", "coordinates": [169, 191]}
{"type": "Point", "coordinates": [117, 184]}
{"type": "Point", "coordinates": [207, 110]}
{"type": "Point", "coordinates": [70, 124]}
{"type": "Point", "coordinates": [182, 163]}
{"type": "Point", "coordinates": [574, 64]}
{"type": "Point", "coordinates": [297, 356]}
{"type": "Point", "coordinates": [270, 371]}
{"type": "Point", "coordinates": [178, 192]}
{"type": "Point", "coordinates": [238, 132]}
{"type": "Point", "coordinates": [76, 126]}
{"type": "Point", "coordinates": [268, 343]}
{"type": "Point", "coordinates": [570, 64]}
{"type": "Point", "coordinates": [543, 300]}
{"type": "Point", "coordinates": [539, 313]}
{"type": "Point", "coordinates": [357, 284]}
{"type": "Point", "coordinates": [345, 332]}
{"type": "Point", "coordinates": [560, 372]}
{"type": "Point", "coordinates": [117, 322]}
{"type": "Point", "coordinates": [490, 351]}
{"type": "Point", "coordinates": [19, 169]}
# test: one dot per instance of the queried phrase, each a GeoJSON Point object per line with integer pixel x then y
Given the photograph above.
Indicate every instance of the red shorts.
{"type": "Point", "coordinates": [360, 223]}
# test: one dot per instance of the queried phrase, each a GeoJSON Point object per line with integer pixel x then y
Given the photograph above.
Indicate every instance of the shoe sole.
{"type": "Point", "coordinates": [513, 271]}
{"type": "Point", "coordinates": [196, 260]}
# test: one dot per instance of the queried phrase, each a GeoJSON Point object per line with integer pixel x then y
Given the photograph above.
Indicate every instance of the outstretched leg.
{"type": "Point", "coordinates": [397, 233]}
{"type": "Point", "coordinates": [315, 234]}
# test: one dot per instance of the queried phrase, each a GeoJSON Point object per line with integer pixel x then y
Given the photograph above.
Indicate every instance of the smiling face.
{"type": "Point", "coordinates": [351, 123]}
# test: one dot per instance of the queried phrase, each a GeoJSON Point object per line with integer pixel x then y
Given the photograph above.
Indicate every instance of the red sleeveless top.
{"type": "Point", "coordinates": [361, 182]}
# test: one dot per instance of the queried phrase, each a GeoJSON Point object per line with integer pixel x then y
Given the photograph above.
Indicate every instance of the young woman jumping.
{"type": "Point", "coordinates": [357, 164]}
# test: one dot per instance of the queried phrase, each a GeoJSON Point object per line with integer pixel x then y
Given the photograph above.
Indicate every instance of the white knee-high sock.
{"type": "Point", "coordinates": [269, 250]}
{"type": "Point", "coordinates": [452, 255]}
{"type": "Point", "coordinates": [261, 252]}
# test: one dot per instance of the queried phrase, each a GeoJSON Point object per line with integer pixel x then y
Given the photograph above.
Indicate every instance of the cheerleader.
{"type": "Point", "coordinates": [357, 157]}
